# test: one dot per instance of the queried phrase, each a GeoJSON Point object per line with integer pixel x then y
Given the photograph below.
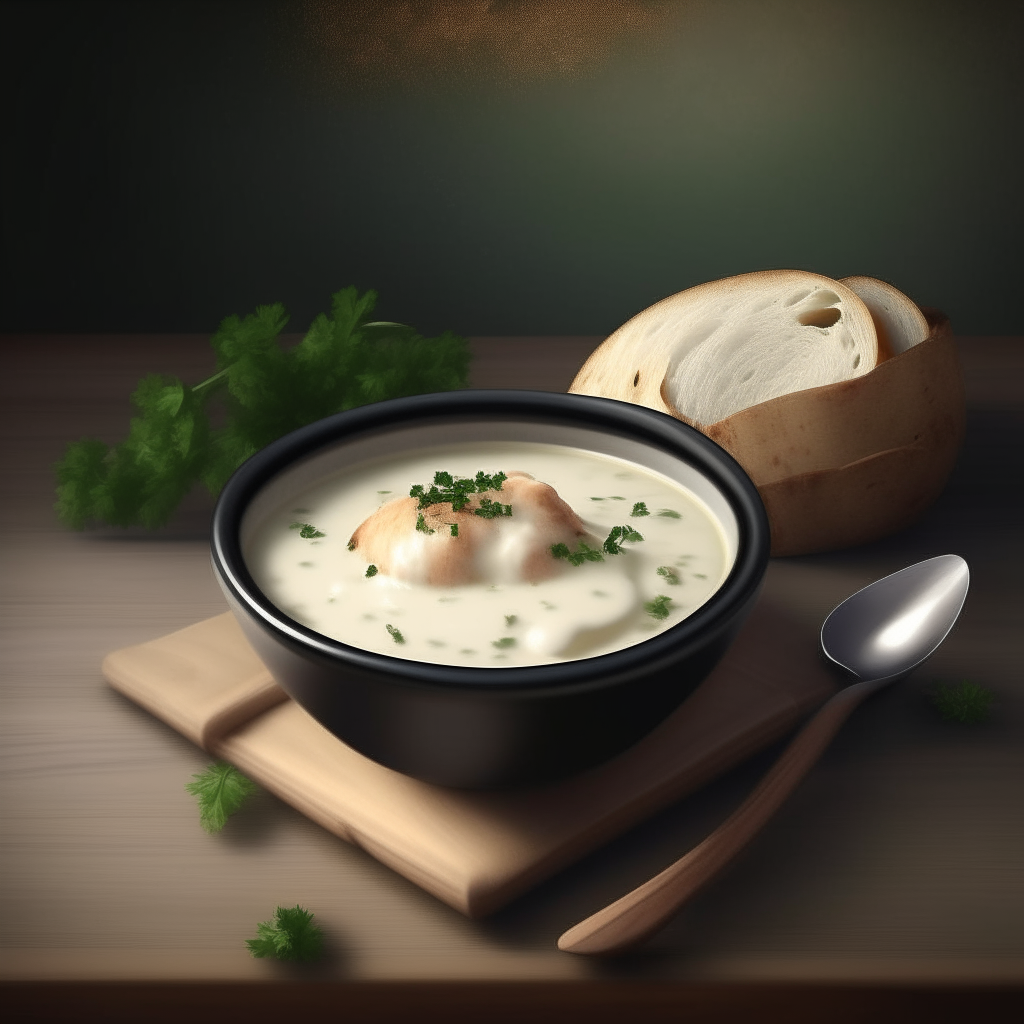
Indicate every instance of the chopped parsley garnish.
{"type": "Point", "coordinates": [492, 509]}
{"type": "Point", "coordinates": [220, 791]}
{"type": "Point", "coordinates": [421, 524]}
{"type": "Point", "coordinates": [290, 936]}
{"type": "Point", "coordinates": [669, 513]}
{"type": "Point", "coordinates": [505, 641]}
{"type": "Point", "coordinates": [617, 537]}
{"type": "Point", "coordinates": [307, 531]}
{"type": "Point", "coordinates": [583, 553]}
{"type": "Point", "coordinates": [454, 527]}
{"type": "Point", "coordinates": [640, 509]}
{"type": "Point", "coordinates": [371, 571]}
{"type": "Point", "coordinates": [455, 490]}
{"type": "Point", "coordinates": [351, 545]}
{"type": "Point", "coordinates": [616, 497]}
{"type": "Point", "coordinates": [511, 620]}
{"type": "Point", "coordinates": [306, 565]}
{"type": "Point", "coordinates": [671, 577]}
{"type": "Point", "coordinates": [700, 575]}
{"type": "Point", "coordinates": [597, 499]}
{"type": "Point", "coordinates": [658, 607]}
{"type": "Point", "coordinates": [396, 634]}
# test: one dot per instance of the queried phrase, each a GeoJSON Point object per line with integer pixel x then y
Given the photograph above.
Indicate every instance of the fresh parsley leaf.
{"type": "Point", "coordinates": [371, 571]}
{"type": "Point", "coordinates": [511, 620]}
{"type": "Point", "coordinates": [617, 536]}
{"type": "Point", "coordinates": [658, 607]}
{"type": "Point", "coordinates": [220, 790]}
{"type": "Point", "coordinates": [344, 361]}
{"type": "Point", "coordinates": [505, 641]}
{"type": "Point", "coordinates": [670, 575]}
{"type": "Point", "coordinates": [291, 935]}
{"type": "Point", "coordinates": [396, 634]}
{"type": "Point", "coordinates": [421, 524]}
{"type": "Point", "coordinates": [583, 553]}
{"type": "Point", "coordinates": [640, 509]}
{"type": "Point", "coordinates": [669, 513]}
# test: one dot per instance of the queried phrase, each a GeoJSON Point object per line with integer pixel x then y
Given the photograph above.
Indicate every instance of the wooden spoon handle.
{"type": "Point", "coordinates": [640, 913]}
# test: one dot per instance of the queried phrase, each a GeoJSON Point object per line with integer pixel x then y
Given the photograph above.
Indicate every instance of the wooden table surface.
{"type": "Point", "coordinates": [897, 866]}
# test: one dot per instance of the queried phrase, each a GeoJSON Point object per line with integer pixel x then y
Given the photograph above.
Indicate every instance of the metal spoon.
{"type": "Point", "coordinates": [878, 634]}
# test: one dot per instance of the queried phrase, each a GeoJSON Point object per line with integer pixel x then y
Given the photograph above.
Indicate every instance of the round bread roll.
{"type": "Point", "coordinates": [842, 400]}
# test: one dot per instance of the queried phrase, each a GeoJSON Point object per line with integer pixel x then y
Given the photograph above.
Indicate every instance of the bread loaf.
{"type": "Point", "coordinates": [841, 399]}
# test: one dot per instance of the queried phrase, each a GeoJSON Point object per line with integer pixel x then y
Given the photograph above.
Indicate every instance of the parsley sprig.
{"type": "Point", "coordinates": [617, 536]}
{"type": "Point", "coordinates": [345, 360]}
{"type": "Point", "coordinates": [220, 791]}
{"type": "Point", "coordinates": [291, 935]}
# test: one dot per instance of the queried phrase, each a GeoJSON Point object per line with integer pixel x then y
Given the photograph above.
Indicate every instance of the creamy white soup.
{"type": "Point", "coordinates": [514, 577]}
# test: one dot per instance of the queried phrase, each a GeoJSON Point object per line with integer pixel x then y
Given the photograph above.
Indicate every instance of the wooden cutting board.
{"type": "Point", "coordinates": [474, 851]}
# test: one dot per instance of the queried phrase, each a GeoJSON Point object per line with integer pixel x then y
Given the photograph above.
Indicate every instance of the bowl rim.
{"type": "Point", "coordinates": [606, 415]}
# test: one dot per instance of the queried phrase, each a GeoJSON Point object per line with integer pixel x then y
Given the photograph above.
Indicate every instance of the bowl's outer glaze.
{"type": "Point", "coordinates": [493, 728]}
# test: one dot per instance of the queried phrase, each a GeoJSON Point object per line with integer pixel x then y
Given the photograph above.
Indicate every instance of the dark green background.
{"type": "Point", "coordinates": [171, 163]}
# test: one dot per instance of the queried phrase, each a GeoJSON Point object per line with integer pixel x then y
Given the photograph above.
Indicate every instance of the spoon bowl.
{"type": "Point", "coordinates": [891, 626]}
{"type": "Point", "coordinates": [878, 634]}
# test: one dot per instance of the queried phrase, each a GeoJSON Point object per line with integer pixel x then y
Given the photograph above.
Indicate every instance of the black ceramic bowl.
{"type": "Point", "coordinates": [485, 728]}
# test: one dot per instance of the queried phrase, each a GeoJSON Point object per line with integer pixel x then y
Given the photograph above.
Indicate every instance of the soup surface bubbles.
{"type": "Point", "coordinates": [300, 557]}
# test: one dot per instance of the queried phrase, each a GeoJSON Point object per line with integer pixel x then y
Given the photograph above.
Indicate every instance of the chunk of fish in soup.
{"type": "Point", "coordinates": [542, 553]}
